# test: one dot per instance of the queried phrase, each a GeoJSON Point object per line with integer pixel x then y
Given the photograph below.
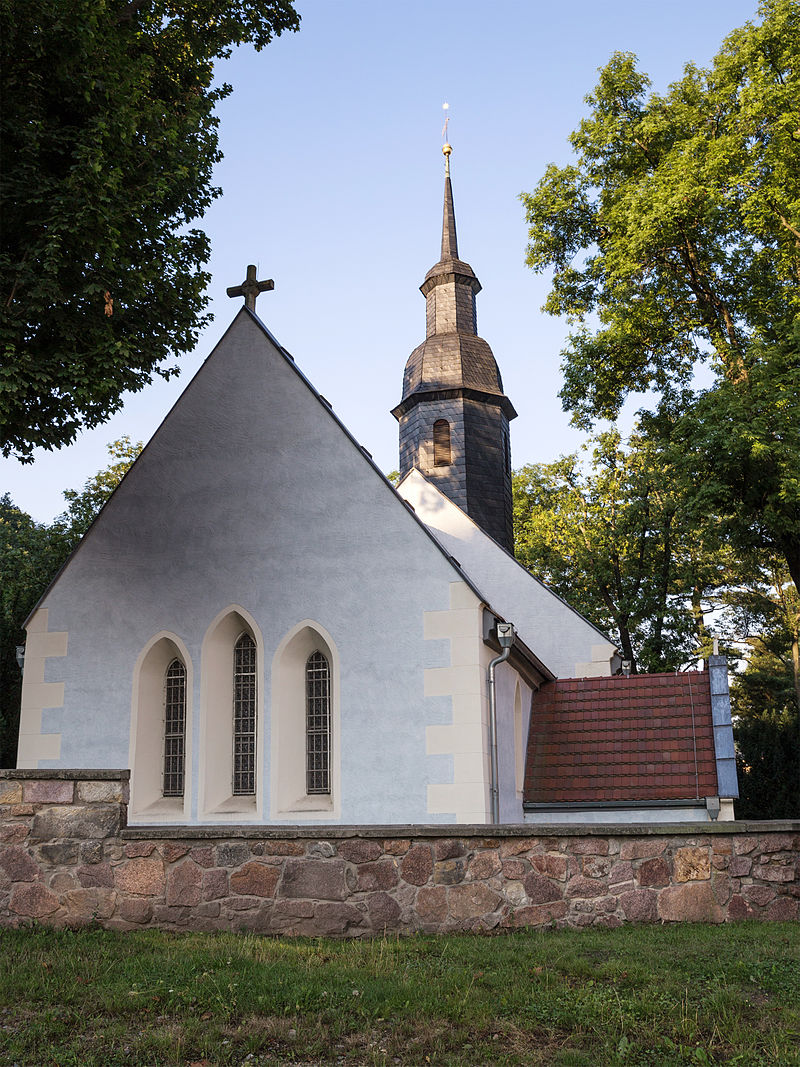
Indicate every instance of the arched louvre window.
{"type": "Point", "coordinates": [318, 724]}
{"type": "Point", "coordinates": [174, 728]}
{"type": "Point", "coordinates": [441, 443]}
{"type": "Point", "coordinates": [244, 716]}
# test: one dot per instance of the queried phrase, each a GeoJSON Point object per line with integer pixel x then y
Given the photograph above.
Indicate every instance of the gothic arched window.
{"type": "Point", "coordinates": [174, 728]}
{"type": "Point", "coordinates": [318, 724]}
{"type": "Point", "coordinates": [441, 443]}
{"type": "Point", "coordinates": [244, 716]}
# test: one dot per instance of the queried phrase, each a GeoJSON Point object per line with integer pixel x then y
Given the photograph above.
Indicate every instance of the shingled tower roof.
{"type": "Point", "coordinates": [453, 393]}
{"type": "Point", "coordinates": [452, 355]}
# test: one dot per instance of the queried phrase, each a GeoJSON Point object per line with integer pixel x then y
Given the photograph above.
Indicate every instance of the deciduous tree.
{"type": "Point", "coordinates": [610, 534]}
{"type": "Point", "coordinates": [674, 239]}
{"type": "Point", "coordinates": [109, 138]}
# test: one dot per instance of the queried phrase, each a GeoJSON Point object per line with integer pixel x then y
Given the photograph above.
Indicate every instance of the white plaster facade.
{"type": "Point", "coordinates": [563, 639]}
{"type": "Point", "coordinates": [253, 511]}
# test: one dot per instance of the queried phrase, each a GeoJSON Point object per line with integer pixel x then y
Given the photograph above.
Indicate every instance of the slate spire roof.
{"type": "Point", "coordinates": [452, 356]}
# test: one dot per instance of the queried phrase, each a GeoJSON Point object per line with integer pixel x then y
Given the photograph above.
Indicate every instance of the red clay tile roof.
{"type": "Point", "coordinates": [621, 739]}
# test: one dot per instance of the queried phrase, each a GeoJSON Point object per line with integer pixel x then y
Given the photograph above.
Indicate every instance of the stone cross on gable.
{"type": "Point", "coordinates": [250, 288]}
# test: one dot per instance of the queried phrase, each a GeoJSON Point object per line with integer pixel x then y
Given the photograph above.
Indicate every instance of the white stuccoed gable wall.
{"type": "Point", "coordinates": [557, 634]}
{"type": "Point", "coordinates": [252, 496]}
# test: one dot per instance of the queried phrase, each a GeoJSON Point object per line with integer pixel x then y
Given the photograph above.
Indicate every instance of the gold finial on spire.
{"type": "Point", "coordinates": [447, 148]}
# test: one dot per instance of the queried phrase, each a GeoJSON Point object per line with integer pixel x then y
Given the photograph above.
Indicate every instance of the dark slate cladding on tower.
{"type": "Point", "coordinates": [453, 377]}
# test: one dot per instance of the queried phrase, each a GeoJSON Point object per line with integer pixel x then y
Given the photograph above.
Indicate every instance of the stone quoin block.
{"type": "Point", "coordinates": [80, 822]}
{"type": "Point", "coordinates": [50, 791]}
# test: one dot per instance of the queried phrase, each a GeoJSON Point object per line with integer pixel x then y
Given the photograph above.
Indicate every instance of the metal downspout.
{"type": "Point", "coordinates": [505, 635]}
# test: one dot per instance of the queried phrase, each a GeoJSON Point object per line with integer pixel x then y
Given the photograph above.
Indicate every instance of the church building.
{"type": "Point", "coordinates": [264, 630]}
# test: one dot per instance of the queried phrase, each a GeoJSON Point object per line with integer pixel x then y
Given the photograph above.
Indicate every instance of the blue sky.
{"type": "Point", "coordinates": [332, 184]}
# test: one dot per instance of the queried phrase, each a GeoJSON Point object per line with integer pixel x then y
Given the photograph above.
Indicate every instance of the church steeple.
{"type": "Point", "coordinates": [449, 239]}
{"type": "Point", "coordinates": [454, 414]}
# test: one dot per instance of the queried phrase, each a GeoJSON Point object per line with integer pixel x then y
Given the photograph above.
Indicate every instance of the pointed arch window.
{"type": "Point", "coordinates": [174, 728]}
{"type": "Point", "coordinates": [244, 716]}
{"type": "Point", "coordinates": [318, 724]}
{"type": "Point", "coordinates": [441, 443]}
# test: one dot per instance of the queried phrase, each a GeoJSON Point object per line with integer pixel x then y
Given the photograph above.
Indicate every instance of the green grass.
{"type": "Point", "coordinates": [638, 995]}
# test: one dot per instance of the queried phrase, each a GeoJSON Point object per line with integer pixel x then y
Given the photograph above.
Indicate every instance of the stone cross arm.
{"type": "Point", "coordinates": [250, 288]}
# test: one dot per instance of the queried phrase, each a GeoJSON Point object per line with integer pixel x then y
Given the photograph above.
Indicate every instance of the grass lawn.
{"type": "Point", "coordinates": [637, 995]}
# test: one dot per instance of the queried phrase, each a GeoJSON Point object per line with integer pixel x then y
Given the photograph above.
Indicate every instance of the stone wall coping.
{"type": "Point", "coordinates": [63, 775]}
{"type": "Point", "coordinates": [221, 832]}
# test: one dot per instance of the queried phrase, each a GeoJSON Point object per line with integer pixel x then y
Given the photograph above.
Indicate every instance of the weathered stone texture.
{"type": "Point", "coordinates": [653, 872]}
{"type": "Point", "coordinates": [89, 905]}
{"type": "Point", "coordinates": [417, 865]}
{"type": "Point", "coordinates": [65, 861]}
{"type": "Point", "coordinates": [10, 792]}
{"type": "Point", "coordinates": [255, 879]}
{"type": "Point", "coordinates": [360, 851]}
{"type": "Point", "coordinates": [315, 879]}
{"type": "Point", "coordinates": [183, 884]}
{"type": "Point", "coordinates": [552, 865]}
{"type": "Point", "coordinates": [100, 792]}
{"type": "Point", "coordinates": [692, 864]}
{"type": "Point", "coordinates": [143, 877]}
{"type": "Point", "coordinates": [18, 865]}
{"type": "Point", "coordinates": [96, 874]}
{"type": "Point", "coordinates": [33, 900]}
{"type": "Point", "coordinates": [540, 889]}
{"type": "Point", "coordinates": [88, 821]}
{"type": "Point", "coordinates": [691, 902]}
{"type": "Point", "coordinates": [48, 792]}
{"type": "Point", "coordinates": [375, 876]}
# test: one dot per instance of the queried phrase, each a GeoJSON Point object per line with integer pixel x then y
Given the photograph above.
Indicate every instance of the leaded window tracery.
{"type": "Point", "coordinates": [244, 716]}
{"type": "Point", "coordinates": [318, 724]}
{"type": "Point", "coordinates": [174, 729]}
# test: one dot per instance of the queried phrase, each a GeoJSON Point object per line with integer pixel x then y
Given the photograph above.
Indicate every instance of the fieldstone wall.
{"type": "Point", "coordinates": [67, 858]}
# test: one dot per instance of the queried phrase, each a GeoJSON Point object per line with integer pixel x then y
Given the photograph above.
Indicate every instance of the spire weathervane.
{"type": "Point", "coordinates": [250, 288]}
{"type": "Point", "coordinates": [446, 147]}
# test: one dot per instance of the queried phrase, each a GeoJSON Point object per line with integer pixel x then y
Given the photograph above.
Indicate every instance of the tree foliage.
{"type": "Point", "coordinates": [31, 555]}
{"type": "Point", "coordinates": [109, 139]}
{"type": "Point", "coordinates": [678, 227]}
{"type": "Point", "coordinates": [674, 238]}
{"type": "Point", "coordinates": [611, 534]}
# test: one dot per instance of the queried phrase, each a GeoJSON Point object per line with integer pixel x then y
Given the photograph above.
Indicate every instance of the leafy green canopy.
{"type": "Point", "coordinates": [611, 533]}
{"type": "Point", "coordinates": [676, 233]}
{"type": "Point", "coordinates": [109, 139]}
